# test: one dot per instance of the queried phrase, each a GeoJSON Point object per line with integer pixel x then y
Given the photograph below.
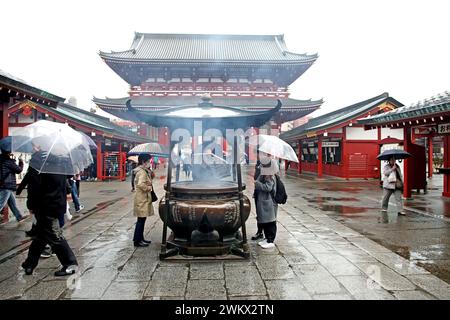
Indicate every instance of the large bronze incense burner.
{"type": "Point", "coordinates": [207, 211]}
{"type": "Point", "coordinates": [204, 216]}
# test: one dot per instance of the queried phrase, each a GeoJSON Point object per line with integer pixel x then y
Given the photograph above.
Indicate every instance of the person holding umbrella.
{"type": "Point", "coordinates": [57, 151]}
{"type": "Point", "coordinates": [392, 184]}
{"type": "Point", "coordinates": [143, 207]}
{"type": "Point", "coordinates": [47, 199]}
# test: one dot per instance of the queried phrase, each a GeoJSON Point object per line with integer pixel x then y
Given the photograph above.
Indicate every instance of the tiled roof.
{"type": "Point", "coordinates": [244, 102]}
{"type": "Point", "coordinates": [435, 105]}
{"type": "Point", "coordinates": [209, 47]}
{"type": "Point", "coordinates": [9, 80]}
{"type": "Point", "coordinates": [92, 120]}
{"type": "Point", "coordinates": [339, 116]}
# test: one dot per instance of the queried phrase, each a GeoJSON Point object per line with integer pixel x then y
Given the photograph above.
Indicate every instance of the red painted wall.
{"type": "Point", "coordinates": [359, 153]}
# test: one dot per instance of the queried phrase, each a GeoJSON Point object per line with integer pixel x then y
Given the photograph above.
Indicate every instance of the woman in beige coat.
{"type": "Point", "coordinates": [142, 199]}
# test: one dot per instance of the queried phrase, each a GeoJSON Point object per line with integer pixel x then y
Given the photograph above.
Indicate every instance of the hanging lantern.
{"type": "Point", "coordinates": [27, 110]}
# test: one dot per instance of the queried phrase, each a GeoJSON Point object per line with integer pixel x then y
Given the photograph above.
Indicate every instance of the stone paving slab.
{"type": "Point", "coordinates": [386, 277]}
{"type": "Point", "coordinates": [206, 290]}
{"type": "Point", "coordinates": [292, 289]}
{"type": "Point", "coordinates": [316, 257]}
{"type": "Point", "coordinates": [433, 285]}
{"type": "Point", "coordinates": [130, 290]}
{"type": "Point", "coordinates": [244, 281]}
{"type": "Point", "coordinates": [92, 284]}
{"type": "Point", "coordinates": [206, 271]}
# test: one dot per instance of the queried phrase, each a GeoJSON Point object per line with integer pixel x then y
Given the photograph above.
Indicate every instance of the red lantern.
{"type": "Point", "coordinates": [27, 111]}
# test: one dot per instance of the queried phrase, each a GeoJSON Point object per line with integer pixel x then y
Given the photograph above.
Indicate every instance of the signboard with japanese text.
{"type": "Point", "coordinates": [443, 128]}
{"type": "Point", "coordinates": [327, 144]}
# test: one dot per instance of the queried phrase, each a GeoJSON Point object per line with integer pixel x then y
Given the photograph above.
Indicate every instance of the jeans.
{"type": "Point", "coordinates": [387, 193]}
{"type": "Point", "coordinates": [270, 231]}
{"type": "Point", "coordinates": [49, 232]}
{"type": "Point", "coordinates": [139, 230]}
{"type": "Point", "coordinates": [76, 200]}
{"type": "Point", "coordinates": [7, 197]}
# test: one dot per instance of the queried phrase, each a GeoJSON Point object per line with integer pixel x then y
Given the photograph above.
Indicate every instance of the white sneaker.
{"type": "Point", "coordinates": [261, 243]}
{"type": "Point", "coordinates": [81, 208]}
{"type": "Point", "coordinates": [268, 245]}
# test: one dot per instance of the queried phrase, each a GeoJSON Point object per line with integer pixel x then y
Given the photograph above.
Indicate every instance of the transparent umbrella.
{"type": "Point", "coordinates": [275, 146]}
{"type": "Point", "coordinates": [152, 148]}
{"type": "Point", "coordinates": [55, 147]}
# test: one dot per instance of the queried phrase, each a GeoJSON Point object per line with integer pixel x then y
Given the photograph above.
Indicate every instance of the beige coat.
{"type": "Point", "coordinates": [142, 197]}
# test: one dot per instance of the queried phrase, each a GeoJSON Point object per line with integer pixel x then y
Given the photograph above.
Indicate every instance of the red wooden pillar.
{"type": "Point", "coordinates": [407, 179]}
{"type": "Point", "coordinates": [344, 161]}
{"type": "Point", "coordinates": [446, 191]}
{"type": "Point", "coordinates": [319, 158]}
{"type": "Point", "coordinates": [430, 155]}
{"type": "Point", "coordinates": [299, 166]}
{"type": "Point", "coordinates": [4, 120]}
{"type": "Point", "coordinates": [4, 132]}
{"type": "Point", "coordinates": [99, 161]}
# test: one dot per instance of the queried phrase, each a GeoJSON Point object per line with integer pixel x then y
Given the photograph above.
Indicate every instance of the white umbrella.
{"type": "Point", "coordinates": [275, 146]}
{"type": "Point", "coordinates": [152, 148]}
{"type": "Point", "coordinates": [56, 147]}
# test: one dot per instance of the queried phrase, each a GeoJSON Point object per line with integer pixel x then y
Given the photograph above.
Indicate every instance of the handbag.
{"type": "Point", "coordinates": [392, 177]}
{"type": "Point", "coordinates": [154, 196]}
{"type": "Point", "coordinates": [398, 184]}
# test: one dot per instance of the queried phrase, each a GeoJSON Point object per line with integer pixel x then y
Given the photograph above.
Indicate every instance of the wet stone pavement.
{"type": "Point", "coordinates": [331, 244]}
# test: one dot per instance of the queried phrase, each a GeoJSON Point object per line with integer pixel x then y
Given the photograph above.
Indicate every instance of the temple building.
{"type": "Point", "coordinates": [22, 104]}
{"type": "Point", "coordinates": [428, 119]}
{"type": "Point", "coordinates": [335, 144]}
{"type": "Point", "coordinates": [245, 71]}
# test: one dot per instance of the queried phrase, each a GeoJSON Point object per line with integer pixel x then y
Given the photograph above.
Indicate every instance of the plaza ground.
{"type": "Point", "coordinates": [332, 243]}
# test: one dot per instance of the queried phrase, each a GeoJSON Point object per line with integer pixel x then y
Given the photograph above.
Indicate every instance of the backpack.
{"type": "Point", "coordinates": [280, 194]}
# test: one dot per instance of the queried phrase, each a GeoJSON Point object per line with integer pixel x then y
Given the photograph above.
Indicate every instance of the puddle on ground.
{"type": "Point", "coordinates": [338, 189]}
{"type": "Point", "coordinates": [322, 199]}
{"type": "Point", "coordinates": [343, 209]}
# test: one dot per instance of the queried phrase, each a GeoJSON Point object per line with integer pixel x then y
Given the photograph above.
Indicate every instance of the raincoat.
{"type": "Point", "coordinates": [143, 198]}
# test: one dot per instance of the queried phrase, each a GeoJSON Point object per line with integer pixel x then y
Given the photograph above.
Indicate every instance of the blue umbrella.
{"type": "Point", "coordinates": [397, 154]}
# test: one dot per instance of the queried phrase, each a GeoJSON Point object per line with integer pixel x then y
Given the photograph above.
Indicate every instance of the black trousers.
{"type": "Point", "coordinates": [270, 230]}
{"type": "Point", "coordinates": [49, 232]}
{"type": "Point", "coordinates": [260, 228]}
{"type": "Point", "coordinates": [132, 179]}
{"type": "Point", "coordinates": [139, 230]}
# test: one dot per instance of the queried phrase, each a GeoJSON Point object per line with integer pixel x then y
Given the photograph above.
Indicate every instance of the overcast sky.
{"type": "Point", "coordinates": [365, 47]}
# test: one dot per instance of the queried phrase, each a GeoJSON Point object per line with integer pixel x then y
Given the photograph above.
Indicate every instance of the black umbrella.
{"type": "Point", "coordinates": [397, 154]}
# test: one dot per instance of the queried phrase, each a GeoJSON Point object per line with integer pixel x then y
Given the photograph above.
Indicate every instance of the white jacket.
{"type": "Point", "coordinates": [387, 170]}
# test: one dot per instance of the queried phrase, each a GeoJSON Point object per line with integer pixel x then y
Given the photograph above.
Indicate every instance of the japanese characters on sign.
{"type": "Point", "coordinates": [443, 128]}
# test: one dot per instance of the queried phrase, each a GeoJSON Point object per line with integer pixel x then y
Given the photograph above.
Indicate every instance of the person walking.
{"type": "Point", "coordinates": [74, 192]}
{"type": "Point", "coordinates": [47, 197]}
{"type": "Point", "coordinates": [266, 209]}
{"type": "Point", "coordinates": [143, 207]}
{"type": "Point", "coordinates": [8, 184]}
{"type": "Point", "coordinates": [392, 184]}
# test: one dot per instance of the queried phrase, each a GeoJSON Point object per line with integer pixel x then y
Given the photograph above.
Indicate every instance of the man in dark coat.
{"type": "Point", "coordinates": [47, 196]}
{"type": "Point", "coordinates": [8, 184]}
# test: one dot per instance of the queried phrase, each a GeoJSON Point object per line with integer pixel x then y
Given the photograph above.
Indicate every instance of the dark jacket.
{"type": "Point", "coordinates": [8, 171]}
{"type": "Point", "coordinates": [47, 193]}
